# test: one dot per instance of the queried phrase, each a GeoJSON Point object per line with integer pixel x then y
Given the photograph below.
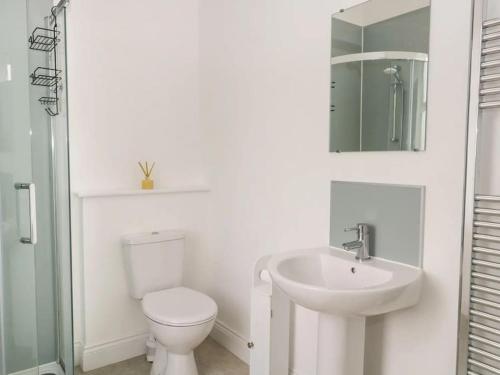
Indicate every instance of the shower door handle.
{"type": "Point", "coordinates": [32, 239]}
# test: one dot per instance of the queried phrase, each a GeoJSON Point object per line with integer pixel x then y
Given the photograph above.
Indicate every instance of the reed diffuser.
{"type": "Point", "coordinates": [147, 183]}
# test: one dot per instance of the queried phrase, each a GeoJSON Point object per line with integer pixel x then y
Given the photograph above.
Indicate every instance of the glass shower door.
{"type": "Point", "coordinates": [18, 307]}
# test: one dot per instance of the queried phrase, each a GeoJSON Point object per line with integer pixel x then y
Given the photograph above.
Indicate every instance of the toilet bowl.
{"type": "Point", "coordinates": [179, 318]}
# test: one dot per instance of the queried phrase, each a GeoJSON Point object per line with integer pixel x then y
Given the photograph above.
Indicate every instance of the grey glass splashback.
{"type": "Point", "coordinates": [394, 212]}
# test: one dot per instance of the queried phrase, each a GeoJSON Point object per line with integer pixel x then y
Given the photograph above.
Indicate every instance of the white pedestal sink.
{"type": "Point", "coordinates": [344, 292]}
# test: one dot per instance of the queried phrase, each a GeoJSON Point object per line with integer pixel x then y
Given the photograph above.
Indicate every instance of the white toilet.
{"type": "Point", "coordinates": [179, 318]}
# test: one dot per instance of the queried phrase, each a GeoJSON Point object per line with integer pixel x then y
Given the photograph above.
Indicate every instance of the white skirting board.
{"type": "Point", "coordinates": [96, 356]}
{"type": "Point", "coordinates": [101, 355]}
{"type": "Point", "coordinates": [234, 343]}
{"type": "Point", "coordinates": [231, 340]}
{"type": "Point", "coordinates": [52, 368]}
{"type": "Point", "coordinates": [77, 352]}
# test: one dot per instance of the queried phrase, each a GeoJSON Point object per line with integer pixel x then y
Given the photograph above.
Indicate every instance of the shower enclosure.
{"type": "Point", "coordinates": [35, 261]}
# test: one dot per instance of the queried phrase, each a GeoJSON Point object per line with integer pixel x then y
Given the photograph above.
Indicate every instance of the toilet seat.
{"type": "Point", "coordinates": [179, 307]}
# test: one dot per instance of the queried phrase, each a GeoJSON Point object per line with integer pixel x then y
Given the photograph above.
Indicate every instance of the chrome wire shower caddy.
{"type": "Point", "coordinates": [43, 39]}
{"type": "Point", "coordinates": [46, 40]}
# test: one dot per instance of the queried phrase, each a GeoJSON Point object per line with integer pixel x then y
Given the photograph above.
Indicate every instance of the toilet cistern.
{"type": "Point", "coordinates": [362, 244]}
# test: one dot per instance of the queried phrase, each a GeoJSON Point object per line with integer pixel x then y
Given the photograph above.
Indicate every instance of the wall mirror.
{"type": "Point", "coordinates": [379, 64]}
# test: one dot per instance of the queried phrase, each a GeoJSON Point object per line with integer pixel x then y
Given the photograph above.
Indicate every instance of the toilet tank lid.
{"type": "Point", "coordinates": [152, 237]}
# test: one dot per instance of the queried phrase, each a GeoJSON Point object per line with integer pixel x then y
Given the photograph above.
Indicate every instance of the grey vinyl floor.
{"type": "Point", "coordinates": [211, 358]}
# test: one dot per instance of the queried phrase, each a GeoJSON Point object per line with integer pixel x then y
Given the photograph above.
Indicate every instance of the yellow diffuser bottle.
{"type": "Point", "coordinates": [147, 183]}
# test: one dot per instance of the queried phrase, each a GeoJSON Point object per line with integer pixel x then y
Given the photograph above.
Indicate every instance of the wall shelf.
{"type": "Point", "coordinates": [134, 192]}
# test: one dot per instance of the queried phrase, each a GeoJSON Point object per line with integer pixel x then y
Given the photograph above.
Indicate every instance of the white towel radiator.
{"type": "Point", "coordinates": [479, 334]}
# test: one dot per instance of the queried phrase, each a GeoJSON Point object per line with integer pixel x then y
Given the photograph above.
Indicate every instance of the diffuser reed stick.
{"type": "Point", "coordinates": [147, 183]}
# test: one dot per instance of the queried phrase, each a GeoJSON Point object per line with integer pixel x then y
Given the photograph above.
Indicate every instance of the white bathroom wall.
{"type": "Point", "coordinates": [261, 137]}
{"type": "Point", "coordinates": [133, 95]}
{"type": "Point", "coordinates": [265, 74]}
{"type": "Point", "coordinates": [133, 71]}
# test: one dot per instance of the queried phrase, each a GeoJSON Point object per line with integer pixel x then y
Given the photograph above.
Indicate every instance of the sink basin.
{"type": "Point", "coordinates": [344, 292]}
{"type": "Point", "coordinates": [330, 280]}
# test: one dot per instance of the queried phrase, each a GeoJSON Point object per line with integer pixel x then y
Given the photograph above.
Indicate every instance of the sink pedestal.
{"type": "Point", "coordinates": [341, 345]}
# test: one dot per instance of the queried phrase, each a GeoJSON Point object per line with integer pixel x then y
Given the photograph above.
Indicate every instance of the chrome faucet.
{"type": "Point", "coordinates": [362, 244]}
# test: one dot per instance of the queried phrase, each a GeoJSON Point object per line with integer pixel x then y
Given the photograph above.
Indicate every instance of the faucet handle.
{"type": "Point", "coordinates": [362, 229]}
{"type": "Point", "coordinates": [353, 229]}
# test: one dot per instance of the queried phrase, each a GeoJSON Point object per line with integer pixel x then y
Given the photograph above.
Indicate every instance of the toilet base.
{"type": "Point", "coordinates": [166, 363]}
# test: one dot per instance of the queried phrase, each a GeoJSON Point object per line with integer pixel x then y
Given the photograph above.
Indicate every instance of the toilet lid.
{"type": "Point", "coordinates": [179, 307]}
